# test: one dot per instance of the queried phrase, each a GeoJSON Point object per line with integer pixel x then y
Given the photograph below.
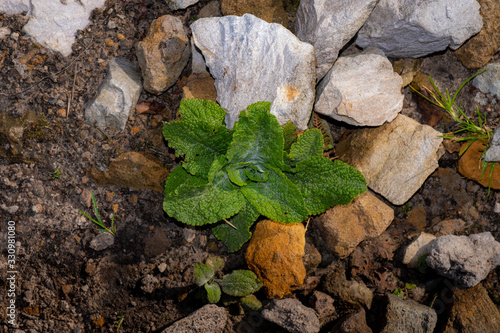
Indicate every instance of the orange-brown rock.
{"type": "Point", "coordinates": [271, 11]}
{"type": "Point", "coordinates": [275, 255]}
{"type": "Point", "coordinates": [200, 86]}
{"type": "Point", "coordinates": [470, 166]}
{"type": "Point", "coordinates": [478, 50]}
{"type": "Point", "coordinates": [133, 170]}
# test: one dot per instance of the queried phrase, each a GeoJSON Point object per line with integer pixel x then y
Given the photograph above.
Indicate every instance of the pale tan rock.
{"type": "Point", "coordinates": [275, 255]}
{"type": "Point", "coordinates": [477, 51]}
{"type": "Point", "coordinates": [417, 248]}
{"type": "Point", "coordinates": [271, 11]}
{"type": "Point", "coordinates": [344, 227]}
{"type": "Point", "coordinates": [163, 54]}
{"type": "Point", "coordinates": [395, 158]}
{"type": "Point", "coordinates": [200, 86]}
{"type": "Point", "coordinates": [133, 170]}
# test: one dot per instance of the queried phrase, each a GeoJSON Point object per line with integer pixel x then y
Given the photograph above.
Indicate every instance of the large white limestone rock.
{"type": "Point", "coordinates": [252, 60]}
{"type": "Point", "coordinates": [329, 25]}
{"type": "Point", "coordinates": [361, 90]}
{"type": "Point", "coordinates": [395, 158]}
{"type": "Point", "coordinates": [414, 28]}
{"type": "Point", "coordinates": [12, 7]}
{"type": "Point", "coordinates": [54, 24]}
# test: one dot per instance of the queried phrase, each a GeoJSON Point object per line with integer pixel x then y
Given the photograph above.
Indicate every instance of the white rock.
{"type": "Point", "coordinates": [4, 32]}
{"type": "Point", "coordinates": [252, 60]}
{"type": "Point", "coordinates": [488, 82]}
{"type": "Point", "coordinates": [55, 24]}
{"type": "Point", "coordinates": [329, 25]}
{"type": "Point", "coordinates": [12, 7]}
{"type": "Point", "coordinates": [415, 28]}
{"type": "Point", "coordinates": [180, 4]}
{"type": "Point", "coordinates": [361, 90]}
{"type": "Point", "coordinates": [395, 158]}
{"type": "Point", "coordinates": [117, 96]}
{"type": "Point", "coordinates": [493, 152]}
{"type": "Point", "coordinates": [417, 248]}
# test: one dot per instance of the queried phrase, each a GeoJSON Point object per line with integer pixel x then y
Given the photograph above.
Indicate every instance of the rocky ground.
{"type": "Point", "coordinates": [72, 279]}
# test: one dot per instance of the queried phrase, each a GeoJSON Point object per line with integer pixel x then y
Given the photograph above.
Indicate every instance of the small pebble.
{"type": "Point", "coordinates": [37, 209]}
{"type": "Point", "coordinates": [109, 42]}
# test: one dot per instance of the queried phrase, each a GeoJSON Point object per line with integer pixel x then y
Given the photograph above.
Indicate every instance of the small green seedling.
{"type": "Point", "coordinates": [230, 177]}
{"type": "Point", "coordinates": [99, 222]}
{"type": "Point", "coordinates": [119, 321]}
{"type": "Point", "coordinates": [240, 283]}
{"type": "Point", "coordinates": [400, 292]}
{"type": "Point", "coordinates": [55, 174]}
{"type": "Point", "coordinates": [474, 131]}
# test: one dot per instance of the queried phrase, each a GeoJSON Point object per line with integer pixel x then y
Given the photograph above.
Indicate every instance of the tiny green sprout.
{"type": "Point", "coordinates": [119, 322]}
{"type": "Point", "coordinates": [398, 292]}
{"type": "Point", "coordinates": [55, 174]}
{"type": "Point", "coordinates": [99, 222]}
{"type": "Point", "coordinates": [239, 283]}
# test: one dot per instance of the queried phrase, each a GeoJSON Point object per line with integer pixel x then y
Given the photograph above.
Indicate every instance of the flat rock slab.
{"type": "Point", "coordinates": [414, 29]}
{"type": "Point", "coordinates": [466, 260]}
{"type": "Point", "coordinates": [292, 315]}
{"type": "Point", "coordinates": [54, 24]}
{"type": "Point", "coordinates": [252, 60]}
{"type": "Point", "coordinates": [395, 158]}
{"type": "Point", "coordinates": [344, 227]}
{"type": "Point", "coordinates": [361, 90]}
{"type": "Point", "coordinates": [163, 54]}
{"type": "Point", "coordinates": [488, 82]}
{"type": "Point", "coordinates": [116, 97]}
{"type": "Point", "coordinates": [210, 318]}
{"type": "Point", "coordinates": [12, 7]}
{"type": "Point", "coordinates": [408, 316]}
{"type": "Point", "coordinates": [329, 25]}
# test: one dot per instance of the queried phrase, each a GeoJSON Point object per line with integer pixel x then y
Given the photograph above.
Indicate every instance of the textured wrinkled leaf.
{"type": "Point", "coordinates": [241, 173]}
{"type": "Point", "coordinates": [240, 283]}
{"type": "Point", "coordinates": [217, 165]}
{"type": "Point", "coordinates": [257, 137]}
{"type": "Point", "coordinates": [251, 302]}
{"type": "Point", "coordinates": [180, 177]}
{"type": "Point", "coordinates": [199, 141]}
{"type": "Point", "coordinates": [289, 135]}
{"type": "Point", "coordinates": [202, 273]}
{"type": "Point", "coordinates": [213, 292]}
{"type": "Point", "coordinates": [324, 183]}
{"type": "Point", "coordinates": [278, 198]}
{"type": "Point", "coordinates": [235, 238]}
{"type": "Point", "coordinates": [215, 262]}
{"type": "Point", "coordinates": [200, 109]}
{"type": "Point", "coordinates": [310, 143]}
{"type": "Point", "coordinates": [206, 203]}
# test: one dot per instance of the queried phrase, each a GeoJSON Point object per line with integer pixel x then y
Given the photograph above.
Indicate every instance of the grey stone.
{"type": "Point", "coordinates": [198, 65]}
{"type": "Point", "coordinates": [180, 4]}
{"type": "Point", "coordinates": [163, 54]}
{"type": "Point", "coordinates": [116, 97]}
{"type": "Point", "coordinates": [292, 315]}
{"type": "Point", "coordinates": [353, 323]}
{"type": "Point", "coordinates": [323, 305]}
{"type": "Point", "coordinates": [488, 82]}
{"type": "Point", "coordinates": [210, 318]}
{"type": "Point", "coordinates": [102, 241]}
{"type": "Point", "coordinates": [361, 90]}
{"type": "Point", "coordinates": [54, 24]}
{"type": "Point", "coordinates": [12, 7]}
{"type": "Point", "coordinates": [466, 260]}
{"type": "Point", "coordinates": [408, 316]}
{"type": "Point", "coordinates": [211, 9]}
{"type": "Point", "coordinates": [329, 25]}
{"type": "Point", "coordinates": [415, 28]}
{"type": "Point", "coordinates": [252, 60]}
{"type": "Point", "coordinates": [417, 248]}
{"type": "Point", "coordinates": [395, 158]}
{"type": "Point", "coordinates": [493, 152]}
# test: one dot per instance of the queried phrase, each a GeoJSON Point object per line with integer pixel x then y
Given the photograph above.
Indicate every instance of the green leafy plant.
{"type": "Point", "coordinates": [240, 283]}
{"type": "Point", "coordinates": [401, 292]}
{"type": "Point", "coordinates": [55, 174]}
{"type": "Point", "coordinates": [474, 130]}
{"type": "Point", "coordinates": [230, 177]}
{"type": "Point", "coordinates": [111, 230]}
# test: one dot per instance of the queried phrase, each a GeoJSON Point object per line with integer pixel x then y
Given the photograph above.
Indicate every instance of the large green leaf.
{"type": "Point", "coordinates": [243, 172]}
{"type": "Point", "coordinates": [202, 273]}
{"type": "Point", "coordinates": [213, 292]}
{"type": "Point", "coordinates": [278, 198]}
{"type": "Point", "coordinates": [257, 137]}
{"type": "Point", "coordinates": [289, 135]}
{"type": "Point", "coordinates": [324, 183]}
{"type": "Point", "coordinates": [310, 143]}
{"type": "Point", "coordinates": [240, 283]}
{"type": "Point", "coordinates": [201, 142]}
{"type": "Point", "coordinates": [200, 109]}
{"type": "Point", "coordinates": [235, 238]}
{"type": "Point", "coordinates": [205, 203]}
{"type": "Point", "coordinates": [180, 177]}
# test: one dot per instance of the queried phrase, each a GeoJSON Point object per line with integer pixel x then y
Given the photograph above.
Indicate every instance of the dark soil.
{"type": "Point", "coordinates": [146, 277]}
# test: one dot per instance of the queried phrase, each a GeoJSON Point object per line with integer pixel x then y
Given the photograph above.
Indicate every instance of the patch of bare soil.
{"type": "Point", "coordinates": [145, 279]}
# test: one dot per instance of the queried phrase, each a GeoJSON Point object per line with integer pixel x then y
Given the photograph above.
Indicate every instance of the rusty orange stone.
{"type": "Point", "coordinates": [470, 166]}
{"type": "Point", "coordinates": [275, 255]}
